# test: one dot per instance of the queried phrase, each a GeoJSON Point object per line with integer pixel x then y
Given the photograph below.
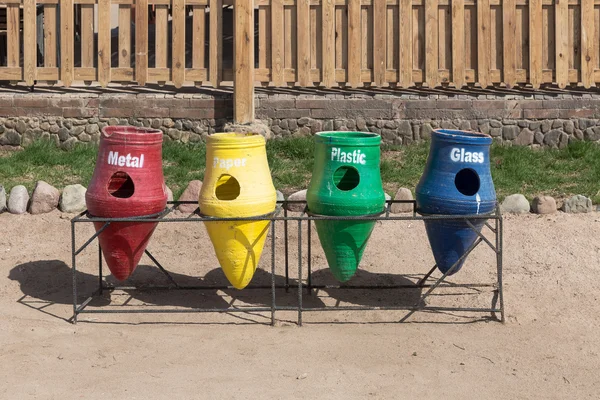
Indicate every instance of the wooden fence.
{"type": "Point", "coordinates": [327, 43]}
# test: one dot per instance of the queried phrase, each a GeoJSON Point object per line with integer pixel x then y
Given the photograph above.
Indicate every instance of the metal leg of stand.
{"type": "Point", "coordinates": [74, 265]}
{"type": "Point", "coordinates": [309, 263]}
{"type": "Point", "coordinates": [440, 280]}
{"type": "Point", "coordinates": [100, 286]}
{"type": "Point", "coordinates": [164, 271]}
{"type": "Point", "coordinates": [300, 273]}
{"type": "Point", "coordinates": [272, 273]}
{"type": "Point", "coordinates": [422, 281]}
{"type": "Point", "coordinates": [285, 238]}
{"type": "Point", "coordinates": [499, 238]}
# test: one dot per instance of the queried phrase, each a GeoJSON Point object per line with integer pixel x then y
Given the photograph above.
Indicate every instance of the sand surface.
{"type": "Point", "coordinates": [547, 349]}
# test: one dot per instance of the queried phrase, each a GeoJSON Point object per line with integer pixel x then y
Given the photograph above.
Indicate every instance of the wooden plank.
{"type": "Point", "coordinates": [354, 44]}
{"type": "Point", "coordinates": [125, 74]}
{"type": "Point", "coordinates": [178, 47]}
{"type": "Point", "coordinates": [262, 37]}
{"type": "Point", "coordinates": [11, 73]}
{"type": "Point", "coordinates": [277, 40]}
{"type": "Point", "coordinates": [588, 61]}
{"type": "Point", "coordinates": [406, 56]}
{"type": "Point", "coordinates": [458, 43]}
{"type": "Point", "coordinates": [13, 37]}
{"type": "Point", "coordinates": [392, 37]}
{"type": "Point", "coordinates": [162, 32]}
{"type": "Point", "coordinates": [47, 74]}
{"type": "Point", "coordinates": [328, 46]}
{"type": "Point", "coordinates": [379, 41]}
{"type": "Point", "coordinates": [104, 51]}
{"type": "Point", "coordinates": [50, 35]}
{"type": "Point", "coordinates": [29, 42]}
{"type": "Point", "coordinates": [87, 35]}
{"type": "Point", "coordinates": [85, 74]}
{"type": "Point", "coordinates": [535, 43]}
{"type": "Point", "coordinates": [66, 42]}
{"type": "Point", "coordinates": [562, 42]}
{"type": "Point", "coordinates": [141, 42]}
{"type": "Point", "coordinates": [197, 75]}
{"type": "Point", "coordinates": [159, 74]}
{"type": "Point", "coordinates": [431, 43]}
{"type": "Point", "coordinates": [198, 37]}
{"type": "Point", "coordinates": [243, 88]}
{"type": "Point", "coordinates": [509, 20]}
{"type": "Point", "coordinates": [124, 36]}
{"type": "Point", "coordinates": [303, 42]}
{"type": "Point", "coordinates": [216, 42]}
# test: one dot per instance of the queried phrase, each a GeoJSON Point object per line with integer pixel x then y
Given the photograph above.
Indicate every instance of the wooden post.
{"type": "Point", "coordinates": [243, 50]}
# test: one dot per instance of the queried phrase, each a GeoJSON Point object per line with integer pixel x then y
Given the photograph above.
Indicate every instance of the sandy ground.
{"type": "Point", "coordinates": [548, 348]}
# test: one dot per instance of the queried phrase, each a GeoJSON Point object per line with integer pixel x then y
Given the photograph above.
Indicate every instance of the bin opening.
{"type": "Point", "coordinates": [227, 188]}
{"type": "Point", "coordinates": [346, 178]}
{"type": "Point", "coordinates": [467, 181]}
{"type": "Point", "coordinates": [121, 185]}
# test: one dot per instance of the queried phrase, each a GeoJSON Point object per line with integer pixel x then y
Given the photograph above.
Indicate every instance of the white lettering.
{"type": "Point", "coordinates": [227, 163]}
{"type": "Point", "coordinates": [460, 155]}
{"type": "Point", "coordinates": [354, 157]}
{"type": "Point", "coordinates": [125, 161]}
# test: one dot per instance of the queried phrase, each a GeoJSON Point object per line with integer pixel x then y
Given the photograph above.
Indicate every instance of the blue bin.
{"type": "Point", "coordinates": [456, 181]}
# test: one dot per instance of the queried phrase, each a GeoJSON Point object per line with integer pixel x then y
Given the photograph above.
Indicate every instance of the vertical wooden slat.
{"type": "Point", "coordinates": [458, 42]}
{"type": "Point", "coordinates": [50, 35]}
{"type": "Point", "coordinates": [104, 54]}
{"type": "Point", "coordinates": [535, 43]}
{"type": "Point", "coordinates": [198, 38]}
{"type": "Point", "coordinates": [431, 43]}
{"type": "Point", "coordinates": [509, 19]}
{"type": "Point", "coordinates": [124, 36]}
{"type": "Point", "coordinates": [277, 40]}
{"type": "Point", "coordinates": [303, 41]}
{"type": "Point", "coordinates": [29, 42]}
{"type": "Point", "coordinates": [178, 48]}
{"type": "Point", "coordinates": [354, 43]}
{"type": "Point", "coordinates": [392, 36]}
{"type": "Point", "coordinates": [66, 41]}
{"type": "Point", "coordinates": [216, 42]}
{"type": "Point", "coordinates": [406, 63]}
{"type": "Point", "coordinates": [587, 43]}
{"type": "Point", "coordinates": [562, 42]}
{"type": "Point", "coordinates": [87, 35]}
{"type": "Point", "coordinates": [13, 35]}
{"type": "Point", "coordinates": [379, 41]}
{"type": "Point", "coordinates": [262, 37]}
{"type": "Point", "coordinates": [243, 61]}
{"type": "Point", "coordinates": [328, 47]}
{"type": "Point", "coordinates": [141, 41]}
{"type": "Point", "coordinates": [162, 31]}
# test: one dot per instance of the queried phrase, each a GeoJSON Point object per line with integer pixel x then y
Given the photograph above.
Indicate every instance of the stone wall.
{"type": "Point", "coordinates": [542, 118]}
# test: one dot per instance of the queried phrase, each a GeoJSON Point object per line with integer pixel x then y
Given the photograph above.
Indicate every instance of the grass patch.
{"type": "Point", "coordinates": [559, 173]}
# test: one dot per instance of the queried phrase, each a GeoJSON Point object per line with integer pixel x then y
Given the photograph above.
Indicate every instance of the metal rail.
{"type": "Point", "coordinates": [497, 306]}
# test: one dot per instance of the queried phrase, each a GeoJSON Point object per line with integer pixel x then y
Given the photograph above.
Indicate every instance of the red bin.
{"type": "Point", "coordinates": [127, 182]}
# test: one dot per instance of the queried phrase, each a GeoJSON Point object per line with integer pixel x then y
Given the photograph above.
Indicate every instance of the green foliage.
{"type": "Point", "coordinates": [559, 173]}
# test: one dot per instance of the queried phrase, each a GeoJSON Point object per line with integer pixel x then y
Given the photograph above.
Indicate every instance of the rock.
{"type": "Point", "coordinates": [72, 199]}
{"type": "Point", "coordinates": [552, 138]}
{"type": "Point", "coordinates": [404, 128]}
{"type": "Point", "coordinates": [280, 197]}
{"type": "Point", "coordinates": [525, 138]}
{"type": "Point", "coordinates": [21, 126]}
{"type": "Point", "coordinates": [169, 196]}
{"type": "Point", "coordinates": [18, 200]}
{"type": "Point", "coordinates": [510, 132]}
{"type": "Point", "coordinates": [402, 194]}
{"type": "Point", "coordinates": [538, 138]}
{"type": "Point", "coordinates": [298, 196]}
{"type": "Point", "coordinates": [44, 198]}
{"type": "Point", "coordinates": [546, 125]}
{"type": "Point", "coordinates": [387, 198]}
{"type": "Point", "coordinates": [191, 193]}
{"type": "Point", "coordinates": [10, 138]}
{"type": "Point", "coordinates": [543, 205]}
{"type": "Point", "coordinates": [569, 127]}
{"type": "Point", "coordinates": [577, 204]}
{"type": "Point", "coordinates": [426, 130]}
{"type": "Point", "coordinates": [69, 143]}
{"type": "Point", "coordinates": [2, 199]}
{"type": "Point", "coordinates": [255, 127]}
{"type": "Point", "coordinates": [515, 204]}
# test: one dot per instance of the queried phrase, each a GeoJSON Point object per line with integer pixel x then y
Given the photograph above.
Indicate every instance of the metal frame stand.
{"type": "Point", "coordinates": [163, 217]}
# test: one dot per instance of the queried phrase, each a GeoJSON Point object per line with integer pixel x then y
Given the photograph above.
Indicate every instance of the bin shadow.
{"type": "Point", "coordinates": [48, 282]}
{"type": "Point", "coordinates": [371, 297]}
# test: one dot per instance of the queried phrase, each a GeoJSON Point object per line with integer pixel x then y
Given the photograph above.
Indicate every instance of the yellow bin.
{"type": "Point", "coordinates": [237, 183]}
